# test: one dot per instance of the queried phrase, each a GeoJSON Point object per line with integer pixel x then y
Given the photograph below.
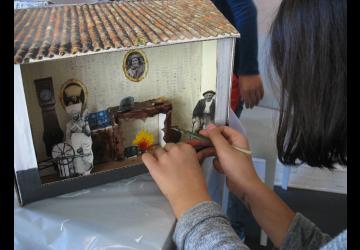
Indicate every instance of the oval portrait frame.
{"type": "Point", "coordinates": [124, 65]}
{"type": "Point", "coordinates": [70, 82]}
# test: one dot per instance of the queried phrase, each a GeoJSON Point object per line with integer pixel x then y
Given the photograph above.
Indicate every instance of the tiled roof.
{"type": "Point", "coordinates": [70, 30]}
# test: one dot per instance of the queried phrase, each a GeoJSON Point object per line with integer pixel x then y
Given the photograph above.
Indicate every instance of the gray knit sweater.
{"type": "Point", "coordinates": [205, 226]}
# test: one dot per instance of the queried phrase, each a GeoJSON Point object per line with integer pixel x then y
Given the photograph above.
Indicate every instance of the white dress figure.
{"type": "Point", "coordinates": [78, 135]}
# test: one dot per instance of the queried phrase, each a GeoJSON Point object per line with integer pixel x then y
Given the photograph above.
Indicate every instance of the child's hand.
{"type": "Point", "coordinates": [176, 170]}
{"type": "Point", "coordinates": [237, 166]}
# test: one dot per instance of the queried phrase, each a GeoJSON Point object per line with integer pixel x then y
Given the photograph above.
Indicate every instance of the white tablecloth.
{"type": "Point", "coordinates": [128, 214]}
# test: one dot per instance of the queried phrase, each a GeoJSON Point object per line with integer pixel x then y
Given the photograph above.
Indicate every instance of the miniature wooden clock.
{"type": "Point", "coordinates": [52, 131]}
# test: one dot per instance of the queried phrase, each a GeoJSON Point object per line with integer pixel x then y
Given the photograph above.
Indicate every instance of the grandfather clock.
{"type": "Point", "coordinates": [52, 131]}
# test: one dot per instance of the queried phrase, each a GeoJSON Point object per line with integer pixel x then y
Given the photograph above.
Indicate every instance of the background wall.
{"type": "Point", "coordinates": [174, 72]}
{"type": "Point", "coordinates": [266, 10]}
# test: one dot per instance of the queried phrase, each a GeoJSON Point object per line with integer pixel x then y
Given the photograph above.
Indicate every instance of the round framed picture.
{"type": "Point", "coordinates": [73, 92]}
{"type": "Point", "coordinates": [135, 65]}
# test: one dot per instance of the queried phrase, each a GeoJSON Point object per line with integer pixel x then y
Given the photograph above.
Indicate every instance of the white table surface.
{"type": "Point", "coordinates": [128, 214]}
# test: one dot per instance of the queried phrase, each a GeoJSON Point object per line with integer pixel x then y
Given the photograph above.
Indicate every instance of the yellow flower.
{"type": "Point", "coordinates": [143, 140]}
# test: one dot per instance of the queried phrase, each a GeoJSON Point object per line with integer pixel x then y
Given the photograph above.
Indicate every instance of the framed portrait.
{"type": "Point", "coordinates": [73, 92]}
{"type": "Point", "coordinates": [135, 65]}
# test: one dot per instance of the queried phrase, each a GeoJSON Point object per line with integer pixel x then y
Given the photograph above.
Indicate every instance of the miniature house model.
{"type": "Point", "coordinates": [96, 84]}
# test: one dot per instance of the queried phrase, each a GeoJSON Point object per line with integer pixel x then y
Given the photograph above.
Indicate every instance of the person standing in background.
{"type": "Point", "coordinates": [247, 88]}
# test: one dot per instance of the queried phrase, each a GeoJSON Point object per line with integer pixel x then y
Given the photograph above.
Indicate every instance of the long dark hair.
{"type": "Point", "coordinates": [309, 53]}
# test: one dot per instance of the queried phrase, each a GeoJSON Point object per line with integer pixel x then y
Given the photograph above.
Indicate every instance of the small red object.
{"type": "Point", "coordinates": [235, 92]}
{"type": "Point", "coordinates": [143, 146]}
{"type": "Point", "coordinates": [198, 145]}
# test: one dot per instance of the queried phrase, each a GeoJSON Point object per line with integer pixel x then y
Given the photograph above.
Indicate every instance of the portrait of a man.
{"type": "Point", "coordinates": [204, 111]}
{"type": "Point", "coordinates": [135, 65]}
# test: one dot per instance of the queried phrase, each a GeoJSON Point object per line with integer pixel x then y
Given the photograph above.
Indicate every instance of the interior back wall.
{"type": "Point", "coordinates": [174, 72]}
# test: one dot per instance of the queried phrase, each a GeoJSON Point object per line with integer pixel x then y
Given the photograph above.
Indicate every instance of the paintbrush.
{"type": "Point", "coordinates": [175, 135]}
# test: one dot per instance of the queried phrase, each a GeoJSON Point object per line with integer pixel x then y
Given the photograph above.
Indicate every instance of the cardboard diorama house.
{"type": "Point", "coordinates": [96, 85]}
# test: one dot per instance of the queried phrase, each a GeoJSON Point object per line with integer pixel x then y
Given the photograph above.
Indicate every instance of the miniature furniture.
{"type": "Point", "coordinates": [107, 144]}
{"type": "Point", "coordinates": [144, 110]}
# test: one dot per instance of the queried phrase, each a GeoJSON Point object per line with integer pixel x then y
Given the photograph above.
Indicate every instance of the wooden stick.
{"type": "Point", "coordinates": [243, 150]}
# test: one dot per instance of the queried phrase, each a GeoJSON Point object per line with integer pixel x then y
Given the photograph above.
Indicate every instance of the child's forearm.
{"type": "Point", "coordinates": [270, 212]}
{"type": "Point", "coordinates": [205, 226]}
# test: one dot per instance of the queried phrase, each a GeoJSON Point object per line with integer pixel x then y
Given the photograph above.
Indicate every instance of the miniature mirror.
{"type": "Point", "coordinates": [73, 92]}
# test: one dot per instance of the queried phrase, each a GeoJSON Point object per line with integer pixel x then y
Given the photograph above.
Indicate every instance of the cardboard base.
{"type": "Point", "coordinates": [97, 169]}
{"type": "Point", "coordinates": [30, 188]}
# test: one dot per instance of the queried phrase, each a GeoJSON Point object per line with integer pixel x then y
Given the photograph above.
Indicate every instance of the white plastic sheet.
{"type": "Point", "coordinates": [128, 214]}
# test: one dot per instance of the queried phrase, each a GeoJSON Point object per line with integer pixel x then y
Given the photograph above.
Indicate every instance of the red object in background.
{"type": "Point", "coordinates": [235, 92]}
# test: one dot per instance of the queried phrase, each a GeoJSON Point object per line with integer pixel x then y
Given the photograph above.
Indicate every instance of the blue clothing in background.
{"type": "Point", "coordinates": [242, 15]}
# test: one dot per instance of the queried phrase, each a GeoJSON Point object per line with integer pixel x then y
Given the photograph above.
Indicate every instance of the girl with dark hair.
{"type": "Point", "coordinates": [308, 49]}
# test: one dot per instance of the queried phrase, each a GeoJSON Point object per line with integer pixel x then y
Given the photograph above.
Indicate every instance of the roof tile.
{"type": "Point", "coordinates": [52, 32]}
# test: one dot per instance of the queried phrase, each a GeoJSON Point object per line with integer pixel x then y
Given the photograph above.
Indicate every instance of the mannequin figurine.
{"type": "Point", "coordinates": [78, 135]}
